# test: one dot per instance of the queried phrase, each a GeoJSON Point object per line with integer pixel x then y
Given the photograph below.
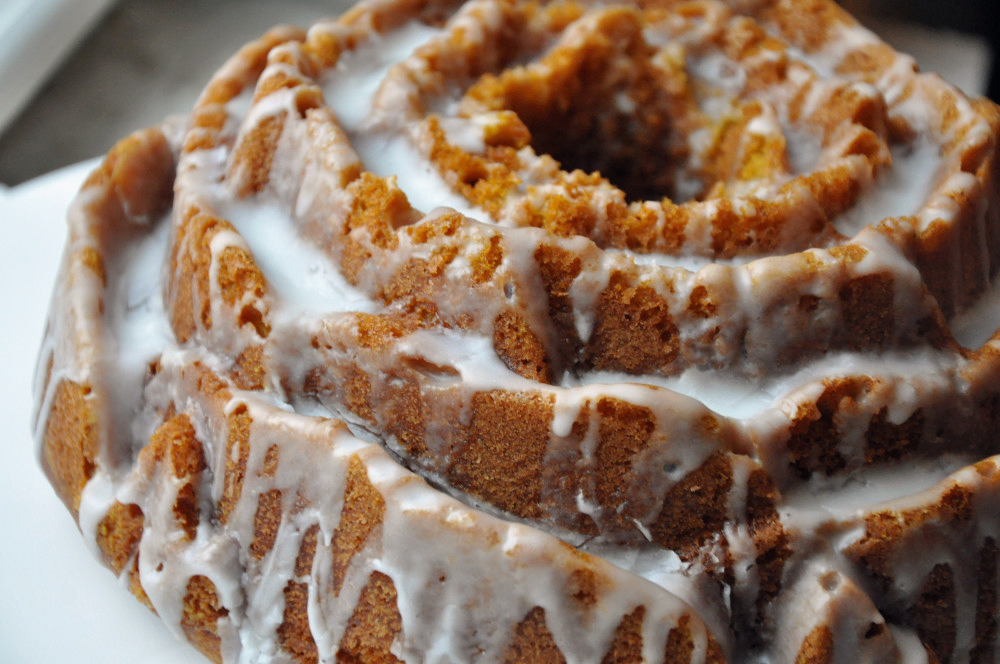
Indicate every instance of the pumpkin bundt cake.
{"type": "Point", "coordinates": [545, 331]}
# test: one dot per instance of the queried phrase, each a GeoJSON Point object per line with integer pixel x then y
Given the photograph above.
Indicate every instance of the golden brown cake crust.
{"type": "Point", "coordinates": [555, 332]}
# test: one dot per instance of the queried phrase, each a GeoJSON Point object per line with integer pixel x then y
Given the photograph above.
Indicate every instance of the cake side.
{"type": "Point", "coordinates": [381, 317]}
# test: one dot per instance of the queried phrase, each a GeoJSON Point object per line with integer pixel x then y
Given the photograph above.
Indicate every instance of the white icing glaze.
{"type": "Point", "coordinates": [432, 546]}
{"type": "Point", "coordinates": [900, 192]}
{"type": "Point", "coordinates": [942, 204]}
{"type": "Point", "coordinates": [864, 488]}
{"type": "Point", "coordinates": [734, 397]}
{"type": "Point", "coordinates": [690, 262]}
{"type": "Point", "coordinates": [392, 155]}
{"type": "Point", "coordinates": [97, 498]}
{"type": "Point", "coordinates": [351, 90]}
{"type": "Point", "coordinates": [718, 70]}
{"type": "Point", "coordinates": [310, 284]}
{"type": "Point", "coordinates": [473, 356]}
{"type": "Point", "coordinates": [975, 326]}
{"type": "Point", "coordinates": [351, 87]}
{"type": "Point", "coordinates": [138, 325]}
{"type": "Point", "coordinates": [804, 150]}
{"type": "Point", "coordinates": [467, 133]}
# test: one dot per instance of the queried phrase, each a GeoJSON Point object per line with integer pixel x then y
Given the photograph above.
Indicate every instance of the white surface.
{"type": "Point", "coordinates": [35, 35]}
{"type": "Point", "coordinates": [59, 604]}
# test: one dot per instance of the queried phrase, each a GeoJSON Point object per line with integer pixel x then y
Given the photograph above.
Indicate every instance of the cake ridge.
{"type": "Point", "coordinates": [511, 383]}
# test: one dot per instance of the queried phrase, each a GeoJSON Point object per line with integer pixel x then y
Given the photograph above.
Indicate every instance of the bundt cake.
{"type": "Point", "coordinates": [545, 331]}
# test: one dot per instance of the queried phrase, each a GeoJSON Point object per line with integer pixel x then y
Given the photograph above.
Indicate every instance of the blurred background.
{"type": "Point", "coordinates": [124, 65]}
{"type": "Point", "coordinates": [76, 75]}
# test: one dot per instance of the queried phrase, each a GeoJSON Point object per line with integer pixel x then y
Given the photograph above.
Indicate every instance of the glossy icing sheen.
{"type": "Point", "coordinates": [755, 373]}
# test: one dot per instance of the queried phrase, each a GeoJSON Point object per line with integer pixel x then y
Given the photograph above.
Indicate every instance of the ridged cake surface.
{"type": "Point", "coordinates": [545, 332]}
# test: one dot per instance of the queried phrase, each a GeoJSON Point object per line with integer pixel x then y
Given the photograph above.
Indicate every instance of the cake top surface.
{"type": "Point", "coordinates": [677, 317]}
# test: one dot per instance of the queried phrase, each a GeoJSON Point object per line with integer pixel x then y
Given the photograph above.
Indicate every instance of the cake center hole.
{"type": "Point", "coordinates": [599, 105]}
{"type": "Point", "coordinates": [604, 134]}
{"type": "Point", "coordinates": [612, 123]}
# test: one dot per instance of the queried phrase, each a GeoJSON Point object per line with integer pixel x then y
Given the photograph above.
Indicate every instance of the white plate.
{"type": "Point", "coordinates": [57, 602]}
